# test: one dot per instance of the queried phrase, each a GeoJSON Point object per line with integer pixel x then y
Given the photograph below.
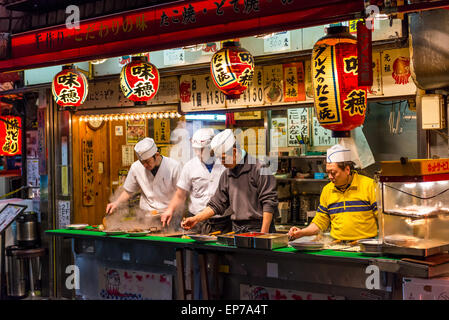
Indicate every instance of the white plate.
{"type": "Point", "coordinates": [307, 246]}
{"type": "Point", "coordinates": [77, 226]}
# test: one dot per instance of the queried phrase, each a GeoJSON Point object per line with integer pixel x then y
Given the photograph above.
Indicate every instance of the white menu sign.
{"type": "Point", "coordinates": [278, 42]}
{"type": "Point", "coordinates": [297, 125]}
{"type": "Point", "coordinates": [8, 214]}
{"type": "Point", "coordinates": [63, 213]}
{"type": "Point", "coordinates": [321, 136]}
{"type": "Point", "coordinates": [174, 56]}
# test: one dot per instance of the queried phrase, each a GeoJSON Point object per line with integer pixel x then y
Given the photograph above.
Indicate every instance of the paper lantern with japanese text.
{"type": "Point", "coordinates": [139, 80]}
{"type": "Point", "coordinates": [232, 69]}
{"type": "Point", "coordinates": [10, 136]}
{"type": "Point", "coordinates": [69, 87]}
{"type": "Point", "coordinates": [340, 103]}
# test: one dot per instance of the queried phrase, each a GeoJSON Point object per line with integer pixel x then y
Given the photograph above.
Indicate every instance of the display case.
{"type": "Point", "coordinates": [413, 212]}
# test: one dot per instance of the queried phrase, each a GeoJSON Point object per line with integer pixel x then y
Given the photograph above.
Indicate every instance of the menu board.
{"type": "Point", "coordinates": [297, 125]}
{"type": "Point", "coordinates": [9, 213]}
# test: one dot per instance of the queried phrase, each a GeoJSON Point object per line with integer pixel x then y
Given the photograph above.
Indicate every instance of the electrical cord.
{"type": "Point", "coordinates": [415, 196]}
{"type": "Point", "coordinates": [12, 192]}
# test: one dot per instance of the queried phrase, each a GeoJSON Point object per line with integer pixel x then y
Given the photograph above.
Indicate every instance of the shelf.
{"type": "Point", "coordinates": [302, 180]}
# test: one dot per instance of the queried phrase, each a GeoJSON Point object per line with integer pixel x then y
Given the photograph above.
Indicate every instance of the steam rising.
{"type": "Point", "coordinates": [133, 219]}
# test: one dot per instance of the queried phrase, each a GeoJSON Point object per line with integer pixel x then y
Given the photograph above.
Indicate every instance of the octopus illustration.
{"type": "Point", "coordinates": [401, 70]}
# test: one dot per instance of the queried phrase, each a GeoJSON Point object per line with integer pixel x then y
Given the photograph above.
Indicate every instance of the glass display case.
{"type": "Point", "coordinates": [414, 214]}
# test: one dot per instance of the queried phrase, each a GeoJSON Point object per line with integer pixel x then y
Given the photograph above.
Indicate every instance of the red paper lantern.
{"type": "Point", "coordinates": [340, 103]}
{"type": "Point", "coordinates": [69, 87]}
{"type": "Point", "coordinates": [139, 80]}
{"type": "Point", "coordinates": [10, 136]}
{"type": "Point", "coordinates": [232, 69]}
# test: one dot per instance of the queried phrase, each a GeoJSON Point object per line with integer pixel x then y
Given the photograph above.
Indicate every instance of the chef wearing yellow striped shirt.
{"type": "Point", "coordinates": [348, 202]}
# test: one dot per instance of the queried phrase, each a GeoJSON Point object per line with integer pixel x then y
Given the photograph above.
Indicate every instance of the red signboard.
{"type": "Point", "coordinates": [10, 136]}
{"type": "Point", "coordinates": [364, 55]}
{"type": "Point", "coordinates": [170, 26]}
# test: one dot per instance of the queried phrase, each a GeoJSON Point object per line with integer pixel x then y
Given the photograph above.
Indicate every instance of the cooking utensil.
{"type": "Point", "coordinates": [271, 241]}
{"type": "Point", "coordinates": [202, 237]}
{"type": "Point", "coordinates": [79, 226]}
{"type": "Point", "coordinates": [246, 240]}
{"type": "Point", "coordinates": [27, 234]}
{"type": "Point", "coordinates": [139, 234]}
{"type": "Point", "coordinates": [370, 246]}
{"type": "Point", "coordinates": [227, 238]}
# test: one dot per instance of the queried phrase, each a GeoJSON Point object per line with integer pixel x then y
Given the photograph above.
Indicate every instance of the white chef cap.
{"type": "Point", "coordinates": [145, 149]}
{"type": "Point", "coordinates": [223, 142]}
{"type": "Point", "coordinates": [202, 137]}
{"type": "Point", "coordinates": [338, 153]}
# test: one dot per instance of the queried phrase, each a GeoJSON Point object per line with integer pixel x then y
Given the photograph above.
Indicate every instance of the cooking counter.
{"type": "Point", "coordinates": [334, 272]}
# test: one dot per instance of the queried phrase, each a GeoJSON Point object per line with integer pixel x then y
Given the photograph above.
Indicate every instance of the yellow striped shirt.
{"type": "Point", "coordinates": [353, 213]}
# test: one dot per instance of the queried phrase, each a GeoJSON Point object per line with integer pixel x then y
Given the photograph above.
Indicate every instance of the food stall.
{"type": "Point", "coordinates": [93, 149]}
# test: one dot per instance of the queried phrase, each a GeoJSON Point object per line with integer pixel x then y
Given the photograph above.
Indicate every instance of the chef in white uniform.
{"type": "Point", "coordinates": [153, 175]}
{"type": "Point", "coordinates": [199, 178]}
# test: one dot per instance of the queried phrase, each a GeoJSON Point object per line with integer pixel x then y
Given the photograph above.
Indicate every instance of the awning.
{"type": "Point", "coordinates": [170, 25]}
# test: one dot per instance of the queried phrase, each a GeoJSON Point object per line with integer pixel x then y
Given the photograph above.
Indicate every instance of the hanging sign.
{"type": "Point", "coordinates": [364, 55]}
{"type": "Point", "coordinates": [10, 136]}
{"type": "Point", "coordinates": [294, 85]}
{"type": "Point", "coordinates": [162, 130]}
{"type": "Point", "coordinates": [273, 83]}
{"type": "Point", "coordinates": [88, 173]}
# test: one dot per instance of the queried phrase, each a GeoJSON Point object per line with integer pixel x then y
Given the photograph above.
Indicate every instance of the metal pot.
{"type": "Point", "coordinates": [27, 233]}
{"type": "Point", "coordinates": [16, 274]}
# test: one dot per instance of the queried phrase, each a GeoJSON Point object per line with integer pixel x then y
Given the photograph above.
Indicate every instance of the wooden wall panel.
{"type": "Point", "coordinates": [100, 139]}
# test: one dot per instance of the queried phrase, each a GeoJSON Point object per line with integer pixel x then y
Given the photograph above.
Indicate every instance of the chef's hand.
{"type": "Point", "coordinates": [166, 218]}
{"type": "Point", "coordinates": [294, 233]}
{"type": "Point", "coordinates": [188, 223]}
{"type": "Point", "coordinates": [110, 208]}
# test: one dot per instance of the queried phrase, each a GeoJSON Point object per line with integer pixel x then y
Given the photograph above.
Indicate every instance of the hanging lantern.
{"type": "Point", "coordinates": [139, 80]}
{"type": "Point", "coordinates": [232, 69]}
{"type": "Point", "coordinates": [340, 104]}
{"type": "Point", "coordinates": [69, 87]}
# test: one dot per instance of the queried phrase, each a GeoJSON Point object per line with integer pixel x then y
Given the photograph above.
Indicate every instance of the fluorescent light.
{"type": "Point", "coordinates": [206, 117]}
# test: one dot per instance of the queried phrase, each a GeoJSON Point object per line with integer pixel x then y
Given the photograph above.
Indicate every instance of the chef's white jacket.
{"type": "Point", "coordinates": [199, 182]}
{"type": "Point", "coordinates": [156, 191]}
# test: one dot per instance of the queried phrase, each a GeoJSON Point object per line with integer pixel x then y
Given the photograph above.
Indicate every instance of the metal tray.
{"type": "Point", "coordinates": [412, 251]}
{"type": "Point", "coordinates": [228, 240]}
{"type": "Point", "coordinates": [271, 241]}
{"type": "Point", "coordinates": [246, 240]}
